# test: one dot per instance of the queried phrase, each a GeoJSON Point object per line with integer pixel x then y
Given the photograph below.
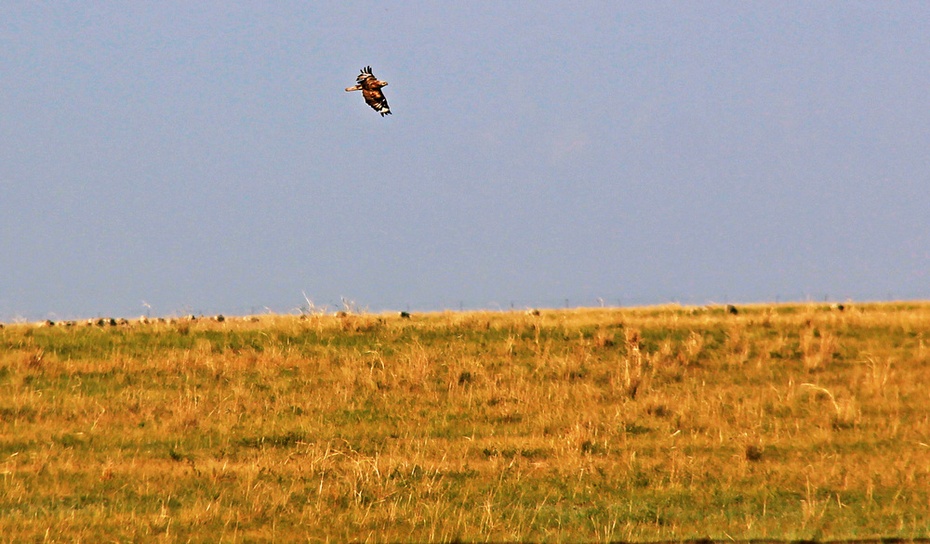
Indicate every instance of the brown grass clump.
{"type": "Point", "coordinates": [664, 423]}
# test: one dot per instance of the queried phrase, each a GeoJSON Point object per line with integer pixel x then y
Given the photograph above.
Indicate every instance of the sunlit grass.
{"type": "Point", "coordinates": [789, 421]}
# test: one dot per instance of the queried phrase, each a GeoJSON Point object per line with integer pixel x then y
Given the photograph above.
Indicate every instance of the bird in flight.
{"type": "Point", "coordinates": [371, 91]}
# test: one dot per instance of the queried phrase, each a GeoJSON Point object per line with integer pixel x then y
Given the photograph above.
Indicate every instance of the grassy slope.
{"type": "Point", "coordinates": [635, 424]}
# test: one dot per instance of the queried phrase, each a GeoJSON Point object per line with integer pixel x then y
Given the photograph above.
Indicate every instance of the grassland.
{"type": "Point", "coordinates": [781, 422]}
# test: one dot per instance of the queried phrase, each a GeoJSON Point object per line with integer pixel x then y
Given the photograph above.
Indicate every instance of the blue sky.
{"type": "Point", "coordinates": [177, 157]}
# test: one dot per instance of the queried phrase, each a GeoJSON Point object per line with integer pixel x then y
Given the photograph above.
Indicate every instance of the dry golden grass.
{"type": "Point", "coordinates": [788, 422]}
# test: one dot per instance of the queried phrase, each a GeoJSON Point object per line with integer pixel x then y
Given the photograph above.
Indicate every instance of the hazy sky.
{"type": "Point", "coordinates": [175, 157]}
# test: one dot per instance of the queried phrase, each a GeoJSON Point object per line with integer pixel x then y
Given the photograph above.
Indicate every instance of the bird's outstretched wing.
{"type": "Point", "coordinates": [365, 75]}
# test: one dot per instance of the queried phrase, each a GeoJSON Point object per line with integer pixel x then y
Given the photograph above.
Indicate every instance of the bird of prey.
{"type": "Point", "coordinates": [371, 91]}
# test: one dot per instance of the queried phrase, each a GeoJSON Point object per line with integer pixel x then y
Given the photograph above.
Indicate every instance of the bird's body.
{"type": "Point", "coordinates": [371, 91]}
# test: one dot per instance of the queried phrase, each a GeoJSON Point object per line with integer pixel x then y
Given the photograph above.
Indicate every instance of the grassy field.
{"type": "Point", "coordinates": [779, 422]}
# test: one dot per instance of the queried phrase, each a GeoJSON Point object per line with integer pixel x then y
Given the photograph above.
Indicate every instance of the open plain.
{"type": "Point", "coordinates": [794, 421]}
